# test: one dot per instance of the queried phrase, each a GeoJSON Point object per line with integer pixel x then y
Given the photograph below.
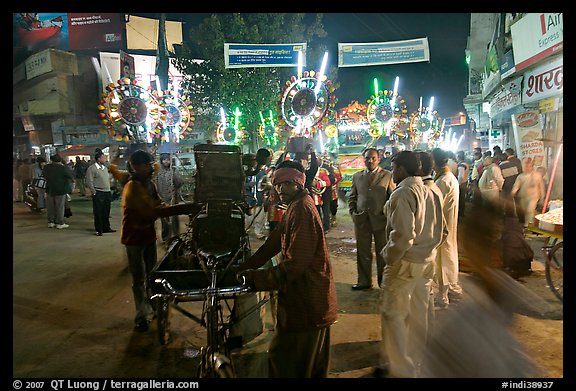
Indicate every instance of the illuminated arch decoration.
{"type": "Point", "coordinates": [268, 130]}
{"type": "Point", "coordinates": [386, 111]}
{"type": "Point", "coordinates": [176, 117]}
{"type": "Point", "coordinates": [353, 125]}
{"type": "Point", "coordinates": [425, 126]}
{"type": "Point", "coordinates": [129, 111]}
{"type": "Point", "coordinates": [230, 131]}
{"type": "Point", "coordinates": [307, 101]}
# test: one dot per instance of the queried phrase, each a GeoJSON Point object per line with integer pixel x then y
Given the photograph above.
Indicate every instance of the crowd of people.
{"type": "Point", "coordinates": [408, 204]}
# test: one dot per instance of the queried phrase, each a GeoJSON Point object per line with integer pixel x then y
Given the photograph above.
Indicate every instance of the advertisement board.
{"type": "Point", "coordinates": [528, 135]}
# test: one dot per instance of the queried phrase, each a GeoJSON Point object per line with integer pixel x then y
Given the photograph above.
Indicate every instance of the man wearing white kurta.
{"type": "Point", "coordinates": [446, 277]}
{"type": "Point", "coordinates": [414, 229]}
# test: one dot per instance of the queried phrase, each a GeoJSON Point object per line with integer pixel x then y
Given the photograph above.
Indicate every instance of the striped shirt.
{"type": "Point", "coordinates": [303, 278]}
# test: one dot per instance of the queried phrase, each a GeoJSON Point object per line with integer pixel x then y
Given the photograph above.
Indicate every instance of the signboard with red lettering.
{"type": "Point", "coordinates": [543, 81]}
{"type": "Point", "coordinates": [528, 135]}
{"type": "Point", "coordinates": [535, 37]}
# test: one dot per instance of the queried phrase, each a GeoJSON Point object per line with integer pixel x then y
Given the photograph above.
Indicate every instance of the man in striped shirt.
{"type": "Point", "coordinates": [303, 278]}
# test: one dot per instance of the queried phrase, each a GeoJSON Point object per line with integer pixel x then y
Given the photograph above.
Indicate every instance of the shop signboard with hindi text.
{"type": "Point", "coordinates": [383, 53]}
{"type": "Point", "coordinates": [543, 81]}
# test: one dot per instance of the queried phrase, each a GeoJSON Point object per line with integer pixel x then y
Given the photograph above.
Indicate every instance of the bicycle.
{"type": "Point", "coordinates": [554, 266]}
{"type": "Point", "coordinates": [553, 252]}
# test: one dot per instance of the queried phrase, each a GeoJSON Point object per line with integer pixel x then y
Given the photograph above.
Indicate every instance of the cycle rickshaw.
{"type": "Point", "coordinates": [201, 264]}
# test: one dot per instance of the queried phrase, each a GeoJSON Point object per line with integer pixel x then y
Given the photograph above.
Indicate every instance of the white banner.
{"type": "Point", "coordinates": [535, 37]}
{"type": "Point", "coordinates": [383, 53]}
{"type": "Point", "coordinates": [528, 136]}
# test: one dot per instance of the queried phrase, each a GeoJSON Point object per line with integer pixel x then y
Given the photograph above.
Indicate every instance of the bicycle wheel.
{"type": "Point", "coordinates": [554, 269]}
{"type": "Point", "coordinates": [163, 319]}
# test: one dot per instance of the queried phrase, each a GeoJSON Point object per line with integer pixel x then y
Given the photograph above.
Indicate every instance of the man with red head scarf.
{"type": "Point", "coordinates": [303, 278]}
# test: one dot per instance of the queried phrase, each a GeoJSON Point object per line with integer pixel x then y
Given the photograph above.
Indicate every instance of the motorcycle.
{"type": "Point", "coordinates": [31, 198]}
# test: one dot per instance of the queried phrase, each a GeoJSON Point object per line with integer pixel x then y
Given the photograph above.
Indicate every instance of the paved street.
{"type": "Point", "coordinates": [73, 309]}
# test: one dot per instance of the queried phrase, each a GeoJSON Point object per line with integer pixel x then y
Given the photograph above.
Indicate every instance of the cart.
{"type": "Point", "coordinates": [553, 251]}
{"type": "Point", "coordinates": [201, 264]}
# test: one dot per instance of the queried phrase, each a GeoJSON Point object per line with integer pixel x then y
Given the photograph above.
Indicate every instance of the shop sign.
{"type": "Point", "coordinates": [27, 123]}
{"type": "Point", "coordinates": [544, 81]}
{"type": "Point", "coordinates": [528, 136]}
{"type": "Point", "coordinates": [535, 37]}
{"type": "Point", "coordinates": [507, 98]}
{"type": "Point", "coordinates": [548, 105]}
{"type": "Point", "coordinates": [506, 64]}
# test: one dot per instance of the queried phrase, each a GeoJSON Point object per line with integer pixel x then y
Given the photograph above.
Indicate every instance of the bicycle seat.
{"type": "Point", "coordinates": [214, 252]}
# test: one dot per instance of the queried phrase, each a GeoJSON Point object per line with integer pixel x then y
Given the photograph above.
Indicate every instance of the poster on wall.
{"type": "Point", "coordinates": [528, 135]}
{"type": "Point", "coordinates": [127, 67]}
{"type": "Point", "coordinates": [38, 31]}
{"type": "Point", "coordinates": [35, 31]}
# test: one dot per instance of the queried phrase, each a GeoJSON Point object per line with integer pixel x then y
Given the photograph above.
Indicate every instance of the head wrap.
{"type": "Point", "coordinates": [286, 174]}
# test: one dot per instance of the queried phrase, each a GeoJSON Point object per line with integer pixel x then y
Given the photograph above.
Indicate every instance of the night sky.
{"type": "Point", "coordinates": [444, 77]}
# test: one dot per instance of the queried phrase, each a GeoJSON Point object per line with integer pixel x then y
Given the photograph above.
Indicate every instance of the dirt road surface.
{"type": "Point", "coordinates": [73, 310]}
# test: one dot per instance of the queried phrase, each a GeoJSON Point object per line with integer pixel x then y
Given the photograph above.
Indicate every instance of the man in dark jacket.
{"type": "Point", "coordinates": [59, 179]}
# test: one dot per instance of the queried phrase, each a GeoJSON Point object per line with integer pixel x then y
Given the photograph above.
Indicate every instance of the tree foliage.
{"type": "Point", "coordinates": [210, 85]}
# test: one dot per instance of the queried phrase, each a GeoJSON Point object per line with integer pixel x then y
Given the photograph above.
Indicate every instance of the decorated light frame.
{"type": "Point", "coordinates": [230, 130]}
{"type": "Point", "coordinates": [425, 126]}
{"type": "Point", "coordinates": [176, 117]}
{"type": "Point", "coordinates": [386, 112]}
{"type": "Point", "coordinates": [129, 111]}
{"type": "Point", "coordinates": [268, 130]}
{"type": "Point", "coordinates": [307, 101]}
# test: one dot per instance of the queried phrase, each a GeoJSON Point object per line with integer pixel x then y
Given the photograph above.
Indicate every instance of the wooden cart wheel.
{"type": "Point", "coordinates": [163, 318]}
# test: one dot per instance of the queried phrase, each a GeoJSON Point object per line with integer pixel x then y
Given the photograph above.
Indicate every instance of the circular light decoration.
{"type": "Point", "coordinates": [425, 127]}
{"type": "Point", "coordinates": [306, 101]}
{"type": "Point", "coordinates": [386, 109]}
{"type": "Point", "coordinates": [176, 118]}
{"type": "Point", "coordinates": [267, 130]}
{"type": "Point", "coordinates": [129, 111]}
{"type": "Point", "coordinates": [230, 132]}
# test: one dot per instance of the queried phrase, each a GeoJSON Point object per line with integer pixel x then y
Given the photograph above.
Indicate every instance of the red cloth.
{"type": "Point", "coordinates": [287, 174]}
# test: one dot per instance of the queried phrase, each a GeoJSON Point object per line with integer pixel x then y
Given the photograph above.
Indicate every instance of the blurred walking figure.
{"type": "Point", "coordinates": [528, 190]}
{"type": "Point", "coordinates": [463, 177]}
{"type": "Point", "coordinates": [491, 181]}
{"type": "Point", "coordinates": [474, 340]}
{"type": "Point", "coordinates": [446, 277]}
{"type": "Point", "coordinates": [168, 182]}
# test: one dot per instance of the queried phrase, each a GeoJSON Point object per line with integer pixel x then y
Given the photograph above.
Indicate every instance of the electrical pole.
{"type": "Point", "coordinates": [162, 57]}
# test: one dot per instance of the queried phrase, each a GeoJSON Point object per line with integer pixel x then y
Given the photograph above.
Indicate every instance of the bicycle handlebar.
{"type": "Point", "coordinates": [204, 293]}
